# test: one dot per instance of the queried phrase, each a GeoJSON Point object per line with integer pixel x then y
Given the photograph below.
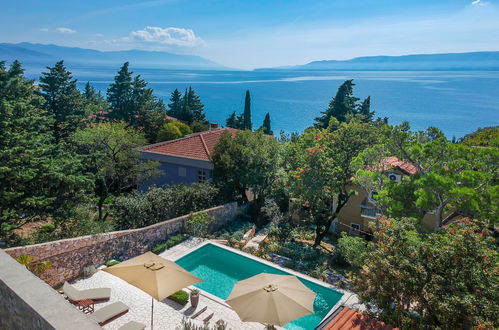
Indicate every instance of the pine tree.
{"type": "Point", "coordinates": [365, 110]}
{"type": "Point", "coordinates": [266, 128]}
{"type": "Point", "coordinates": [232, 120]}
{"type": "Point", "coordinates": [91, 95]}
{"type": "Point", "coordinates": [62, 100]}
{"type": "Point", "coordinates": [196, 106]}
{"type": "Point", "coordinates": [175, 107]}
{"type": "Point", "coordinates": [37, 176]}
{"type": "Point", "coordinates": [119, 95]}
{"type": "Point", "coordinates": [247, 112]}
{"type": "Point", "coordinates": [343, 104]}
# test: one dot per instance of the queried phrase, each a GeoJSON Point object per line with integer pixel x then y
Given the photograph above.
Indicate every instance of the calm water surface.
{"type": "Point", "coordinates": [220, 269]}
{"type": "Point", "coordinates": [457, 102]}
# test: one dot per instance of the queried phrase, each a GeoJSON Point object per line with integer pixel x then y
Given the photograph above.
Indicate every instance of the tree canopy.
{"type": "Point", "coordinates": [344, 105]}
{"type": "Point", "coordinates": [247, 161]}
{"type": "Point", "coordinates": [446, 279]}
{"type": "Point", "coordinates": [38, 176]}
{"type": "Point", "coordinates": [62, 100]}
{"type": "Point", "coordinates": [111, 155]}
{"type": "Point", "coordinates": [320, 168]}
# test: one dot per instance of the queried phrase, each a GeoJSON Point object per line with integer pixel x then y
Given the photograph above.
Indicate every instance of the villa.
{"type": "Point", "coordinates": [361, 210]}
{"type": "Point", "coordinates": [96, 296]}
{"type": "Point", "coordinates": [184, 160]}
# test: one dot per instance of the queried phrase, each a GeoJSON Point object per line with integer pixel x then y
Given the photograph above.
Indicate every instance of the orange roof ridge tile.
{"type": "Point", "coordinates": [204, 145]}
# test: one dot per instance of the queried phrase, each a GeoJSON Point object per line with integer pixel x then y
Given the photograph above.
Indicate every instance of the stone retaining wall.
{"type": "Point", "coordinates": [28, 303]}
{"type": "Point", "coordinates": [70, 256]}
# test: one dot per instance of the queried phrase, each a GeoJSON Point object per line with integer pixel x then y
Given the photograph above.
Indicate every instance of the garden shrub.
{"type": "Point", "coordinates": [112, 263]}
{"type": "Point", "coordinates": [138, 209]}
{"type": "Point", "coordinates": [180, 297]}
{"type": "Point", "coordinates": [198, 224]}
{"type": "Point", "coordinates": [189, 325]}
{"type": "Point", "coordinates": [270, 212]}
{"type": "Point", "coordinates": [353, 249]}
{"type": "Point", "coordinates": [174, 240]}
{"type": "Point", "coordinates": [302, 233]}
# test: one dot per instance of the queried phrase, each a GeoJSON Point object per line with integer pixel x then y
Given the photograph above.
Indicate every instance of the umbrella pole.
{"type": "Point", "coordinates": [152, 310]}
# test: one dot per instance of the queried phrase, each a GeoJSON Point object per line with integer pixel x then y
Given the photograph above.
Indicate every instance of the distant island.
{"type": "Point", "coordinates": [422, 62]}
{"type": "Point", "coordinates": [31, 54]}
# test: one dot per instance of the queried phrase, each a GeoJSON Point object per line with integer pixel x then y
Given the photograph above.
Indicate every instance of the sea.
{"type": "Point", "coordinates": [457, 102]}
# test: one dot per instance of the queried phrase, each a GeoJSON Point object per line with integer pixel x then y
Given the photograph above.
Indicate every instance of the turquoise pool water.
{"type": "Point", "coordinates": [221, 269]}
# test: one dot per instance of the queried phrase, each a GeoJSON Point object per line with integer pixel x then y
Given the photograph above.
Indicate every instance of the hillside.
{"type": "Point", "coordinates": [39, 54]}
{"type": "Point", "coordinates": [430, 62]}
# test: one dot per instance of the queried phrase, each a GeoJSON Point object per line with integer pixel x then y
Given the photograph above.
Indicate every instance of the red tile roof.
{"type": "Point", "coordinates": [349, 319]}
{"type": "Point", "coordinates": [171, 118]}
{"type": "Point", "coordinates": [405, 166]}
{"type": "Point", "coordinates": [198, 145]}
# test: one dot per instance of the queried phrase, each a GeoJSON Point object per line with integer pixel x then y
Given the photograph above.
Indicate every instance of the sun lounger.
{"type": "Point", "coordinates": [208, 318]}
{"type": "Point", "coordinates": [132, 325]}
{"type": "Point", "coordinates": [74, 295]}
{"type": "Point", "coordinates": [199, 312]}
{"type": "Point", "coordinates": [110, 312]}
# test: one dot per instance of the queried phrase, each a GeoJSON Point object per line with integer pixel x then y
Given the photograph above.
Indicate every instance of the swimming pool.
{"type": "Point", "coordinates": [221, 269]}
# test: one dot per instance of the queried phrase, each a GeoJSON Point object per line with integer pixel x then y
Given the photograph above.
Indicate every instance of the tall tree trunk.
{"type": "Point", "coordinates": [321, 233]}
{"type": "Point", "coordinates": [100, 203]}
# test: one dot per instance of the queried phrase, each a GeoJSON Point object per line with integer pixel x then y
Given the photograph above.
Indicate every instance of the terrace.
{"type": "Point", "coordinates": [220, 268]}
{"type": "Point", "coordinates": [169, 314]}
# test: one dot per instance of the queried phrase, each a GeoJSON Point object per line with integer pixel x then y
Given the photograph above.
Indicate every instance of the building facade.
{"type": "Point", "coordinates": [185, 160]}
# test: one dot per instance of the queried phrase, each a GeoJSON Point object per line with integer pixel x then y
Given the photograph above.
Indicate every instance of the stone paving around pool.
{"type": "Point", "coordinates": [168, 314]}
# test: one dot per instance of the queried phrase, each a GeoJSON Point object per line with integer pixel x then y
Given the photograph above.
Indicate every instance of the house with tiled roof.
{"type": "Point", "coordinates": [357, 214]}
{"type": "Point", "coordinates": [184, 160]}
{"type": "Point", "coordinates": [345, 318]}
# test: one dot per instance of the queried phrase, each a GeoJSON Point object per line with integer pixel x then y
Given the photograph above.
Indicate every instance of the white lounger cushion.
{"type": "Point", "coordinates": [132, 325]}
{"type": "Point", "coordinates": [95, 294]}
{"type": "Point", "coordinates": [109, 311]}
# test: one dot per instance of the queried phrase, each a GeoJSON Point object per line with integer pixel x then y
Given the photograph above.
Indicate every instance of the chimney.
{"type": "Point", "coordinates": [213, 126]}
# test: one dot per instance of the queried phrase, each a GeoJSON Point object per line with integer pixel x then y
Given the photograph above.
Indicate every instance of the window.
{"type": "Point", "coordinates": [368, 211]}
{"type": "Point", "coordinates": [354, 229]}
{"type": "Point", "coordinates": [201, 176]}
{"type": "Point", "coordinates": [182, 171]}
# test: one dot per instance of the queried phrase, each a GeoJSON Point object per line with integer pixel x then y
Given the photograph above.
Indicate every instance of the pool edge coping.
{"type": "Point", "coordinates": [346, 295]}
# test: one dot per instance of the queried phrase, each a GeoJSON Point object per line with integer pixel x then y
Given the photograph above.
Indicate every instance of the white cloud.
{"type": "Point", "coordinates": [479, 3]}
{"type": "Point", "coordinates": [44, 30]}
{"type": "Point", "coordinates": [167, 36]}
{"type": "Point", "coordinates": [65, 30]}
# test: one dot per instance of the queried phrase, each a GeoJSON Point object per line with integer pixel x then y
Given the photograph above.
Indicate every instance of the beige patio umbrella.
{"type": "Point", "coordinates": [154, 275]}
{"type": "Point", "coordinates": [271, 299]}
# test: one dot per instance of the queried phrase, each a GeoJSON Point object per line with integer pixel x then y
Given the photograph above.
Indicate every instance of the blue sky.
{"type": "Point", "coordinates": [258, 33]}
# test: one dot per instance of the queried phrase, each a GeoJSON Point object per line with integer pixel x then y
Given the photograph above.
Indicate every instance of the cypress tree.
{"type": "Point", "coordinates": [266, 128]}
{"type": "Point", "coordinates": [119, 95]}
{"type": "Point", "coordinates": [231, 120]}
{"type": "Point", "coordinates": [186, 113]}
{"type": "Point", "coordinates": [196, 106]}
{"type": "Point", "coordinates": [175, 107]}
{"type": "Point", "coordinates": [240, 122]}
{"type": "Point", "coordinates": [342, 104]}
{"type": "Point", "coordinates": [246, 118]}
{"type": "Point", "coordinates": [365, 110]}
{"type": "Point", "coordinates": [62, 100]}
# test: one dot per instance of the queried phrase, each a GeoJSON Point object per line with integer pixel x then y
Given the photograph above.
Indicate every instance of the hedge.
{"type": "Point", "coordinates": [181, 297]}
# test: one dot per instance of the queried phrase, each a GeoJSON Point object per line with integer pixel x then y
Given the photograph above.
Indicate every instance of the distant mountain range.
{"type": "Point", "coordinates": [44, 55]}
{"type": "Point", "coordinates": [430, 62]}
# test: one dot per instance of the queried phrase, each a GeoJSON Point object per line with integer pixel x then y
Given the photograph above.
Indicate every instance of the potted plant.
{"type": "Point", "coordinates": [194, 298]}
